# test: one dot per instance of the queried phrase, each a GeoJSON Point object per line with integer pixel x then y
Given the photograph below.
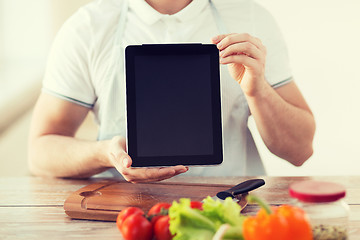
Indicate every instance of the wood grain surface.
{"type": "Point", "coordinates": [32, 208]}
{"type": "Point", "coordinates": [104, 200]}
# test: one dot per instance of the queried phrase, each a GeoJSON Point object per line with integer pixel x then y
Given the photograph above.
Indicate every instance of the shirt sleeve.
{"type": "Point", "coordinates": [67, 74]}
{"type": "Point", "coordinates": [277, 69]}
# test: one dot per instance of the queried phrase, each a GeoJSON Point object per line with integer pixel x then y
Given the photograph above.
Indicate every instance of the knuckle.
{"type": "Point", "coordinates": [228, 39]}
{"type": "Point", "coordinates": [248, 46]}
{"type": "Point", "coordinates": [225, 41]}
{"type": "Point", "coordinates": [258, 40]}
{"type": "Point", "coordinates": [230, 58]}
{"type": "Point", "coordinates": [148, 173]}
{"type": "Point", "coordinates": [246, 36]}
{"type": "Point", "coordinates": [225, 52]}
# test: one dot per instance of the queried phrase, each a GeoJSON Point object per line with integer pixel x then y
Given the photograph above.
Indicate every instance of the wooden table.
{"type": "Point", "coordinates": [32, 208]}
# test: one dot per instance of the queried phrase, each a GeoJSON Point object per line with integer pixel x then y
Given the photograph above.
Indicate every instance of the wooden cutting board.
{"type": "Point", "coordinates": [104, 200]}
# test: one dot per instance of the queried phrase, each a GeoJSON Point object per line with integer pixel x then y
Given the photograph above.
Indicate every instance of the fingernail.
{"type": "Point", "coordinates": [221, 53]}
{"type": "Point", "coordinates": [185, 170]}
{"type": "Point", "coordinates": [219, 45]}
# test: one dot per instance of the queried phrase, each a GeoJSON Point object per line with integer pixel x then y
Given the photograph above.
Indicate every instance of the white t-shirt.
{"type": "Point", "coordinates": [81, 65]}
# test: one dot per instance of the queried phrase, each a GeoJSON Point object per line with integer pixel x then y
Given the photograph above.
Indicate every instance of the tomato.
{"type": "Point", "coordinates": [125, 213]}
{"type": "Point", "coordinates": [155, 211]}
{"type": "Point", "coordinates": [161, 228]}
{"type": "Point", "coordinates": [136, 227]}
{"type": "Point", "coordinates": [196, 204]}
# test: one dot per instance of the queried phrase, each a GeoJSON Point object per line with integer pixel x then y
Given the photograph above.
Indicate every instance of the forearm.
{"type": "Point", "coordinates": [287, 130]}
{"type": "Point", "coordinates": [62, 156]}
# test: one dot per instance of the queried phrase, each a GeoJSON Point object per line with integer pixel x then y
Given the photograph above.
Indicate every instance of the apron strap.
{"type": "Point", "coordinates": [122, 22]}
{"type": "Point", "coordinates": [115, 59]}
{"type": "Point", "coordinates": [218, 19]}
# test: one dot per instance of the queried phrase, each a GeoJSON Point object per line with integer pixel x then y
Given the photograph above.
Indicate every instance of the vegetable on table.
{"type": "Point", "coordinates": [126, 213]}
{"type": "Point", "coordinates": [283, 222]}
{"type": "Point", "coordinates": [157, 211]}
{"type": "Point", "coordinates": [161, 229]}
{"type": "Point", "coordinates": [196, 204]}
{"type": "Point", "coordinates": [157, 208]}
{"type": "Point", "coordinates": [214, 220]}
{"type": "Point", "coordinates": [134, 226]}
{"type": "Point", "coordinates": [188, 223]}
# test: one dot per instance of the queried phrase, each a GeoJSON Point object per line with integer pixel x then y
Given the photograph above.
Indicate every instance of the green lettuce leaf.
{"type": "Point", "coordinates": [188, 224]}
{"type": "Point", "coordinates": [227, 211]}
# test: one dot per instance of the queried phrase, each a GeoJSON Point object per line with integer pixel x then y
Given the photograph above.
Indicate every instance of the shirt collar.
{"type": "Point", "coordinates": [192, 10]}
{"type": "Point", "coordinates": [149, 15]}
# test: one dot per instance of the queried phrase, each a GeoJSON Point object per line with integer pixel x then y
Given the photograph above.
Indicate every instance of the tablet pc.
{"type": "Point", "coordinates": [173, 105]}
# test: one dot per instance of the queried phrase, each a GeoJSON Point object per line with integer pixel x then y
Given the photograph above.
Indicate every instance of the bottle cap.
{"type": "Point", "coordinates": [317, 191]}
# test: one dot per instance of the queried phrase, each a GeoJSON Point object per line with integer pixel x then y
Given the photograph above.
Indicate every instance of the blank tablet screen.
{"type": "Point", "coordinates": [177, 119]}
{"type": "Point", "coordinates": [173, 105]}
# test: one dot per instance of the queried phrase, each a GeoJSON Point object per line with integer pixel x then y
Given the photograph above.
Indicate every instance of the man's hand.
{"type": "Point", "coordinates": [282, 116]}
{"type": "Point", "coordinates": [245, 56]}
{"type": "Point", "coordinates": [122, 162]}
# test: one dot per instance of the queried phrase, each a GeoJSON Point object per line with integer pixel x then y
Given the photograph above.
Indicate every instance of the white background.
{"type": "Point", "coordinates": [323, 38]}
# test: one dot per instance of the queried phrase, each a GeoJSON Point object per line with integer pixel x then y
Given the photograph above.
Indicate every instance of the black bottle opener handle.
{"type": "Point", "coordinates": [243, 187]}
